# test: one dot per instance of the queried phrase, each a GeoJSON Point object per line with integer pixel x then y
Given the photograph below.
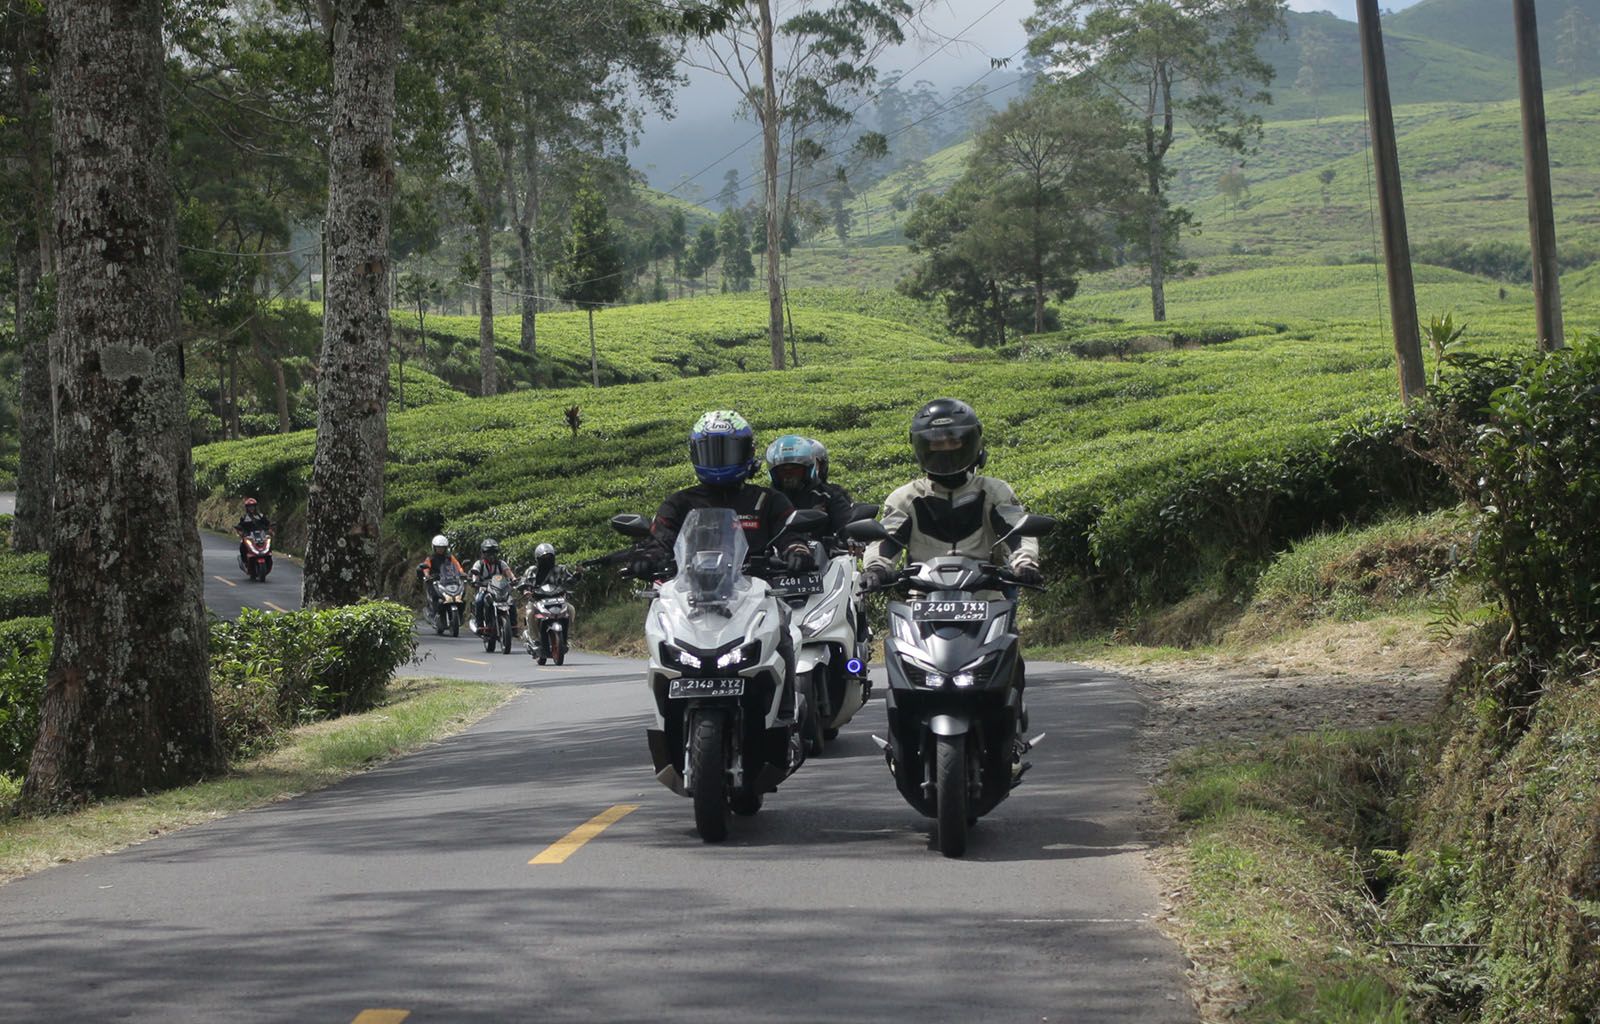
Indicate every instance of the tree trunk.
{"type": "Point", "coordinates": [1158, 252]}
{"type": "Point", "coordinates": [35, 309]}
{"type": "Point", "coordinates": [594, 359]}
{"type": "Point", "coordinates": [30, 529]}
{"type": "Point", "coordinates": [344, 507]}
{"type": "Point", "coordinates": [769, 139]}
{"type": "Point", "coordinates": [487, 369]}
{"type": "Point", "coordinates": [127, 705]}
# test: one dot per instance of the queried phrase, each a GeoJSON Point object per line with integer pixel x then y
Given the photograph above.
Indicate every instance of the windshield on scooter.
{"type": "Point", "coordinates": [710, 551]}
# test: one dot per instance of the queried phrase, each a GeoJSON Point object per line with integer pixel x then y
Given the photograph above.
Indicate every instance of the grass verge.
{"type": "Point", "coordinates": [416, 713]}
{"type": "Point", "coordinates": [1274, 877]}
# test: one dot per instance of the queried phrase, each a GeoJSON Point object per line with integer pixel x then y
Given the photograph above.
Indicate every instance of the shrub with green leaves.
{"type": "Point", "coordinates": [24, 655]}
{"type": "Point", "coordinates": [24, 584]}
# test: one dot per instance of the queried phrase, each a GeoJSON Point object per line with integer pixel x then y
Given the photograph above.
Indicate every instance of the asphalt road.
{"type": "Point", "coordinates": [410, 888]}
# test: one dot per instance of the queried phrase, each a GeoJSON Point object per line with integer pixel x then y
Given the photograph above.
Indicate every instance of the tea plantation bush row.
{"type": "Point", "coordinates": [692, 337]}
{"type": "Point", "coordinates": [1165, 468]}
{"type": "Point", "coordinates": [268, 672]}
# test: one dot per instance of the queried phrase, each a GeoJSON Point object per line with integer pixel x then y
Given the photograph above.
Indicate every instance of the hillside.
{"type": "Point", "coordinates": [1463, 178]}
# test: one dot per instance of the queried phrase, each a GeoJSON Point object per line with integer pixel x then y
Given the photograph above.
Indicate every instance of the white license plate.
{"type": "Point", "coordinates": [805, 583]}
{"type": "Point", "coordinates": [685, 688]}
{"type": "Point", "coordinates": [949, 611]}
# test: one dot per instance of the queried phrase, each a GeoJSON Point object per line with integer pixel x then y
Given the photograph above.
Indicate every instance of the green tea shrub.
{"type": "Point", "coordinates": [24, 584]}
{"type": "Point", "coordinates": [24, 655]}
{"type": "Point", "coordinates": [322, 662]}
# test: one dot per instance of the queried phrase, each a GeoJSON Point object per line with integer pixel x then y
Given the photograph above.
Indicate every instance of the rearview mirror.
{"type": "Point", "coordinates": [866, 530]}
{"type": "Point", "coordinates": [1033, 526]}
{"type": "Point", "coordinates": [863, 510]}
{"type": "Point", "coordinates": [631, 525]}
{"type": "Point", "coordinates": [809, 520]}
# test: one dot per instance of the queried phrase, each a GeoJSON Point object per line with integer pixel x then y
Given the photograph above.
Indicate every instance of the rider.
{"type": "Point", "coordinates": [430, 568]}
{"type": "Point", "coordinates": [792, 467]}
{"type": "Point", "coordinates": [836, 494]}
{"type": "Point", "coordinates": [488, 566]}
{"type": "Point", "coordinates": [947, 439]}
{"type": "Point", "coordinates": [543, 572]}
{"type": "Point", "coordinates": [250, 521]}
{"type": "Point", "coordinates": [722, 448]}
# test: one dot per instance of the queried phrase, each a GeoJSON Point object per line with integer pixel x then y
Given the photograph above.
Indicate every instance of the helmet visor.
{"type": "Point", "coordinates": [946, 451]}
{"type": "Point", "coordinates": [722, 451]}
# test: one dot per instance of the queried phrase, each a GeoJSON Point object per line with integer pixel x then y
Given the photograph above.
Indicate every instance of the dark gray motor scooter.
{"type": "Point", "coordinates": [955, 674]}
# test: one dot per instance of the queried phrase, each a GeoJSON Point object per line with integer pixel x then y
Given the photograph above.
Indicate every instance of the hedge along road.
{"type": "Point", "coordinates": [461, 884]}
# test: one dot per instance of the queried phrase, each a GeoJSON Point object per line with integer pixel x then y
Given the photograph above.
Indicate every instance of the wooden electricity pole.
{"type": "Point", "coordinates": [1391, 207]}
{"type": "Point", "coordinates": [1536, 158]}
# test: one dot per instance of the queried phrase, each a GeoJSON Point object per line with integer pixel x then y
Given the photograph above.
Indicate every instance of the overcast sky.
{"type": "Point", "coordinates": [960, 38]}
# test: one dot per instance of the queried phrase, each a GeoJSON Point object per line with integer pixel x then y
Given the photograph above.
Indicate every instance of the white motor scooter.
{"type": "Point", "coordinates": [831, 669]}
{"type": "Point", "coordinates": [718, 670]}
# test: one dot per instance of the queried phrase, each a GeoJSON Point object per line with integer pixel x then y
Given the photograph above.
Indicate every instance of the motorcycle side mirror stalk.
{"type": "Point", "coordinates": [866, 531]}
{"type": "Point", "coordinates": [630, 524]}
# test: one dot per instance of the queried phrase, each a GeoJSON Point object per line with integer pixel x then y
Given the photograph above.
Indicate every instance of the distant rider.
{"type": "Point", "coordinates": [947, 439]}
{"type": "Point", "coordinates": [252, 520]}
{"type": "Point", "coordinates": [487, 567]}
{"type": "Point", "coordinates": [722, 448]}
{"type": "Point", "coordinates": [792, 468]}
{"type": "Point", "coordinates": [544, 572]}
{"type": "Point", "coordinates": [430, 568]}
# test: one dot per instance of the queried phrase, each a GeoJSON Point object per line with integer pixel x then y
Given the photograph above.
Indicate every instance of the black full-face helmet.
{"type": "Point", "coordinates": [947, 439]}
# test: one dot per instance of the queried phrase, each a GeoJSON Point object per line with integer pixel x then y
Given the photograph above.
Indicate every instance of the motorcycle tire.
{"type": "Point", "coordinates": [455, 622]}
{"type": "Point", "coordinates": [709, 762]}
{"type": "Point", "coordinates": [505, 634]}
{"type": "Point", "coordinates": [490, 640]}
{"type": "Point", "coordinates": [439, 621]}
{"type": "Point", "coordinates": [745, 802]}
{"type": "Point", "coordinates": [950, 783]}
{"type": "Point", "coordinates": [561, 649]}
{"type": "Point", "coordinates": [811, 727]}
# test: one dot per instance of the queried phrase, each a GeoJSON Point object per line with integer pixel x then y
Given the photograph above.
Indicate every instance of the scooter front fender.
{"type": "Point", "coordinates": [950, 725]}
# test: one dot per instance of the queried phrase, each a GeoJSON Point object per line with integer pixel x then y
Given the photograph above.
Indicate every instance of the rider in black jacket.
{"type": "Point", "coordinates": [792, 467]}
{"type": "Point", "coordinates": [722, 449]}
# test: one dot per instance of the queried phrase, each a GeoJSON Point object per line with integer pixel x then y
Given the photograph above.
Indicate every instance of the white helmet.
{"type": "Point", "coordinates": [441, 541]}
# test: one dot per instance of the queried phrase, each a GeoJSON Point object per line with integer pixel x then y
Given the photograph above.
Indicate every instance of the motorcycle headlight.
{"type": "Point", "coordinates": [817, 621]}
{"type": "Point", "coordinates": [962, 679]}
{"type": "Point", "coordinates": [740, 657]}
{"type": "Point", "coordinates": [679, 658]}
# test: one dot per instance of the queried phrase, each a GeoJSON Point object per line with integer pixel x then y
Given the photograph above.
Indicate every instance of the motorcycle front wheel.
{"type": "Point", "coordinates": [708, 757]}
{"type": "Point", "coordinates": [950, 782]}
{"type": "Point", "coordinates": [560, 647]}
{"type": "Point", "coordinates": [505, 633]}
{"type": "Point", "coordinates": [811, 725]}
{"type": "Point", "coordinates": [455, 621]}
{"type": "Point", "coordinates": [490, 638]}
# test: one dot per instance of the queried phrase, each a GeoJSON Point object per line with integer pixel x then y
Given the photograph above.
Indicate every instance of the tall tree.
{"type": "Point", "coordinates": [592, 276]}
{"type": "Point", "coordinates": [27, 143]}
{"type": "Point", "coordinates": [796, 64]}
{"type": "Point", "coordinates": [1055, 167]}
{"type": "Point", "coordinates": [486, 192]}
{"type": "Point", "coordinates": [1162, 59]}
{"type": "Point", "coordinates": [344, 506]}
{"type": "Point", "coordinates": [127, 705]}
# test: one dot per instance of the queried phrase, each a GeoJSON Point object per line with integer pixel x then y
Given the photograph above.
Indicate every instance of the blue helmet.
{"type": "Point", "coordinates": [722, 447]}
{"type": "Point", "coordinates": [792, 463]}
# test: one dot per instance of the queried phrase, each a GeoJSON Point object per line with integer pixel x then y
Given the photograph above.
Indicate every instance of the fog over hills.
{"type": "Point", "coordinates": [707, 123]}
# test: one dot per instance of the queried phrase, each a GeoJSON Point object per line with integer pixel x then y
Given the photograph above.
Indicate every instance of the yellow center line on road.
{"type": "Point", "coordinates": [230, 583]}
{"type": "Point", "coordinates": [472, 661]}
{"type": "Point", "coordinates": [276, 608]}
{"type": "Point", "coordinates": [569, 844]}
{"type": "Point", "coordinates": [381, 1016]}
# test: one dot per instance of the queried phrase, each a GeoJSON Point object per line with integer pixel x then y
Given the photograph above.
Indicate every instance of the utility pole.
{"type": "Point", "coordinates": [1391, 207]}
{"type": "Point", "coordinates": [1536, 160]}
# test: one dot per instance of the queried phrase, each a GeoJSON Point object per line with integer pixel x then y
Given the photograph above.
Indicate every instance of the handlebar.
{"type": "Point", "coordinates": [994, 577]}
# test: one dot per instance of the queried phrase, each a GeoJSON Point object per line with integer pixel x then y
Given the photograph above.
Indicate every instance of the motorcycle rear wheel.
{"type": "Point", "coordinates": [950, 783]}
{"type": "Point", "coordinates": [489, 638]}
{"type": "Point", "coordinates": [709, 763]}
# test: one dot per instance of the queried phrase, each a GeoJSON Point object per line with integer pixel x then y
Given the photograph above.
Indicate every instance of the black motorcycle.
{"type": "Point", "coordinates": [955, 673]}
{"type": "Point", "coordinates": [499, 623]}
{"type": "Point", "coordinates": [447, 599]}
{"type": "Point", "coordinates": [549, 620]}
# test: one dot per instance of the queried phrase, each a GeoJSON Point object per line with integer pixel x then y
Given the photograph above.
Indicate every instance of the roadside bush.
{"type": "Point", "coordinates": [323, 662]}
{"type": "Point", "coordinates": [268, 672]}
{"type": "Point", "coordinates": [24, 655]}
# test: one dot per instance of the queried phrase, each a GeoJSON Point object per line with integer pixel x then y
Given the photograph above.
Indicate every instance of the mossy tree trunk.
{"type": "Point", "coordinates": [127, 705]}
{"type": "Point", "coordinates": [344, 505]}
